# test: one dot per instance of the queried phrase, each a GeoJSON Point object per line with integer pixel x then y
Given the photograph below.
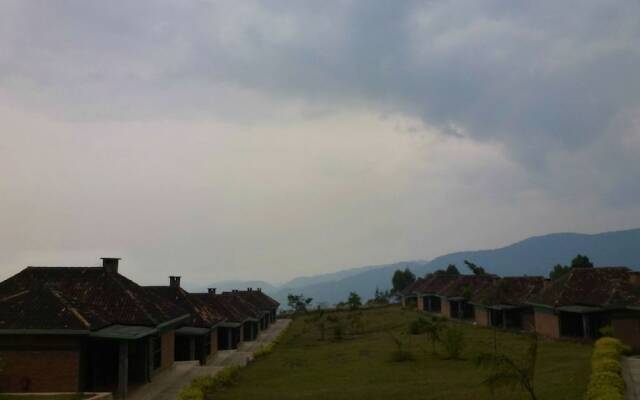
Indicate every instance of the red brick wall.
{"type": "Point", "coordinates": [168, 342]}
{"type": "Point", "coordinates": [482, 316]}
{"type": "Point", "coordinates": [42, 371]}
{"type": "Point", "coordinates": [547, 324]}
{"type": "Point", "coordinates": [627, 330]}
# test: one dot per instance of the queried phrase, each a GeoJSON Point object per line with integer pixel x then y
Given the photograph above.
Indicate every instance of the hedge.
{"type": "Point", "coordinates": [606, 382]}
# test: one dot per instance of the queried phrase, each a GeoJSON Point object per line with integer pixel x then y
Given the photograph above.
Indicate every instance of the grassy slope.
{"type": "Point", "coordinates": [43, 397]}
{"type": "Point", "coordinates": [358, 367]}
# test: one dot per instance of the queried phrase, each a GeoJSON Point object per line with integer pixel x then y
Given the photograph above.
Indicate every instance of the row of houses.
{"type": "Point", "coordinates": [576, 305]}
{"type": "Point", "coordinates": [79, 329]}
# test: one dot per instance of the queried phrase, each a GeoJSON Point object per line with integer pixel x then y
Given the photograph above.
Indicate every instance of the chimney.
{"type": "Point", "coordinates": [259, 289]}
{"type": "Point", "coordinates": [212, 290]}
{"type": "Point", "coordinates": [110, 265]}
{"type": "Point", "coordinates": [249, 289]}
{"type": "Point", "coordinates": [174, 281]}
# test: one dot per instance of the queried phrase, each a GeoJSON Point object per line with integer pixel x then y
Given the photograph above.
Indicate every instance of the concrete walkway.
{"type": "Point", "coordinates": [168, 383]}
{"type": "Point", "coordinates": [631, 374]}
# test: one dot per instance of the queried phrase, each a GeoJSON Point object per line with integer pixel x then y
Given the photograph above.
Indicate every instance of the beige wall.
{"type": "Point", "coordinates": [482, 316]}
{"type": "Point", "coordinates": [420, 303]}
{"type": "Point", "coordinates": [547, 324]}
{"type": "Point", "coordinates": [445, 308]}
{"type": "Point", "coordinates": [168, 342]}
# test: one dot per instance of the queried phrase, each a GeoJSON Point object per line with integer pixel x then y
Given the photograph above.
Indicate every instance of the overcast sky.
{"type": "Point", "coordinates": [267, 140]}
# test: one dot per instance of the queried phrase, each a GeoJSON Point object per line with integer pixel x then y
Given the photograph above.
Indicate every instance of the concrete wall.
{"type": "Point", "coordinates": [547, 324]}
{"type": "Point", "coordinates": [482, 316]}
{"type": "Point", "coordinates": [39, 364]}
{"type": "Point", "coordinates": [167, 342]}
{"type": "Point", "coordinates": [627, 330]}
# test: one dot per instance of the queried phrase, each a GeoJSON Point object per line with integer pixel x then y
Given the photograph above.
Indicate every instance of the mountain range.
{"type": "Point", "coordinates": [533, 256]}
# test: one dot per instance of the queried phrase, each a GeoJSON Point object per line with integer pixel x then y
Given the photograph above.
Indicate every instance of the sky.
{"type": "Point", "coordinates": [272, 139]}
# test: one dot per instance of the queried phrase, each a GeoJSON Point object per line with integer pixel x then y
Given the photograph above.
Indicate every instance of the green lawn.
{"type": "Point", "coordinates": [359, 366]}
{"type": "Point", "coordinates": [43, 397]}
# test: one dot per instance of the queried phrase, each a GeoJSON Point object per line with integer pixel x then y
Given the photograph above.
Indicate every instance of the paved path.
{"type": "Point", "coordinates": [168, 383]}
{"type": "Point", "coordinates": [631, 374]}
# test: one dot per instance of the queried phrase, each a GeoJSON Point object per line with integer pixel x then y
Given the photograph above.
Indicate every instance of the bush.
{"type": "Point", "coordinates": [453, 342]}
{"type": "Point", "coordinates": [205, 385]}
{"type": "Point", "coordinates": [606, 381]}
{"type": "Point", "coordinates": [418, 326]}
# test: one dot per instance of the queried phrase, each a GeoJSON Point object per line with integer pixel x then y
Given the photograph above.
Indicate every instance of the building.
{"type": "Point", "coordinates": [70, 329]}
{"type": "Point", "coordinates": [456, 296]}
{"type": "Point", "coordinates": [231, 330]}
{"type": "Point", "coordinates": [429, 292]}
{"type": "Point", "coordinates": [251, 325]}
{"type": "Point", "coordinates": [267, 307]}
{"type": "Point", "coordinates": [408, 296]}
{"type": "Point", "coordinates": [197, 337]}
{"type": "Point", "coordinates": [504, 303]}
{"type": "Point", "coordinates": [584, 300]}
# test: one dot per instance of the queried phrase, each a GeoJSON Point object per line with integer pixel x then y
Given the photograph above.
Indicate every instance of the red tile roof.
{"type": "Point", "coordinates": [515, 290]}
{"type": "Point", "coordinates": [88, 298]}
{"type": "Point", "coordinates": [203, 315]}
{"type": "Point", "coordinates": [608, 287]}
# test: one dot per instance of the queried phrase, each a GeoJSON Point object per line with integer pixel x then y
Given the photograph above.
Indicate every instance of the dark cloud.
{"type": "Point", "coordinates": [553, 85]}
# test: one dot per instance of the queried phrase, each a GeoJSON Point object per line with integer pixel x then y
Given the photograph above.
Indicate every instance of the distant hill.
{"type": "Point", "coordinates": [532, 256]}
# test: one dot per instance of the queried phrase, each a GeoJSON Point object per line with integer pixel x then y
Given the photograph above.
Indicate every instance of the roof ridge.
{"type": "Point", "coordinates": [14, 295]}
{"type": "Point", "coordinates": [132, 297]}
{"type": "Point", "coordinates": [69, 307]}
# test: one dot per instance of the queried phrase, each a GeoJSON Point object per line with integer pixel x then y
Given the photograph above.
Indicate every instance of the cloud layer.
{"type": "Point", "coordinates": [388, 126]}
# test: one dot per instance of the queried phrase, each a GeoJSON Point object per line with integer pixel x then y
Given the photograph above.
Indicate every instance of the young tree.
{"type": "Point", "coordinates": [506, 372]}
{"type": "Point", "coordinates": [581, 261]}
{"type": "Point", "coordinates": [476, 269]}
{"type": "Point", "coordinates": [298, 302]}
{"type": "Point", "coordinates": [354, 300]}
{"type": "Point", "coordinates": [452, 270]}
{"type": "Point", "coordinates": [558, 270]}
{"type": "Point", "coordinates": [401, 279]}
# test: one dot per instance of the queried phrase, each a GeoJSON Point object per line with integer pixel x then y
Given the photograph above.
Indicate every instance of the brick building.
{"type": "Point", "coordinates": [504, 303]}
{"type": "Point", "coordinates": [197, 337]}
{"type": "Point", "coordinates": [82, 329]}
{"type": "Point", "coordinates": [584, 300]}
{"type": "Point", "coordinates": [236, 319]}
{"type": "Point", "coordinates": [267, 306]}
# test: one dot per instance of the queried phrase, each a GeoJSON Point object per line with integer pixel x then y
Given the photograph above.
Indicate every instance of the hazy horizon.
{"type": "Point", "coordinates": [270, 140]}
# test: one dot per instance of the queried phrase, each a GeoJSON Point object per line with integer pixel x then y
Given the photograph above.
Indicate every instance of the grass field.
{"type": "Point", "coordinates": [43, 397]}
{"type": "Point", "coordinates": [359, 366]}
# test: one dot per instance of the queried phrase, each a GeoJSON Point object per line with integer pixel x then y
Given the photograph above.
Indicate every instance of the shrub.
{"type": "Point", "coordinates": [418, 326]}
{"type": "Point", "coordinates": [453, 342]}
{"type": "Point", "coordinates": [205, 385]}
{"type": "Point", "coordinates": [606, 382]}
{"type": "Point", "coordinates": [606, 331]}
{"type": "Point", "coordinates": [400, 354]}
